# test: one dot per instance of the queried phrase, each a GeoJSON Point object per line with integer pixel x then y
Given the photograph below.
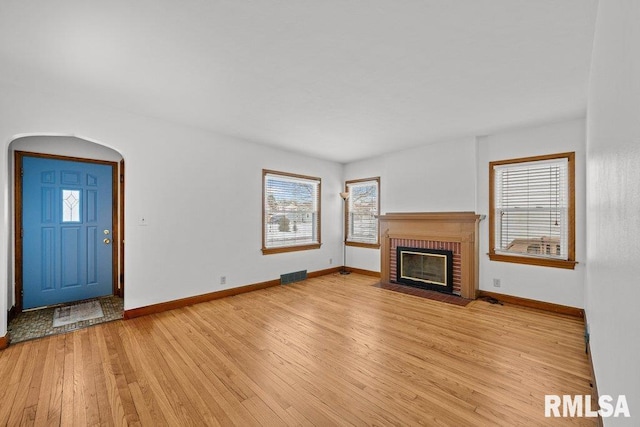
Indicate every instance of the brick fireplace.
{"type": "Point", "coordinates": [450, 231]}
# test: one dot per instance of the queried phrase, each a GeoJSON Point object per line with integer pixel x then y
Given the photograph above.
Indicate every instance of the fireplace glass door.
{"type": "Point", "coordinates": [425, 268]}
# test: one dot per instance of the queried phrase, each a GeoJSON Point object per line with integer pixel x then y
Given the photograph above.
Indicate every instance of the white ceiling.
{"type": "Point", "coordinates": [336, 79]}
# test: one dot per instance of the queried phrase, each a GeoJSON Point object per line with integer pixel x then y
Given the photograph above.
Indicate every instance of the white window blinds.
{"type": "Point", "coordinates": [291, 210]}
{"type": "Point", "coordinates": [362, 209]}
{"type": "Point", "coordinates": [531, 208]}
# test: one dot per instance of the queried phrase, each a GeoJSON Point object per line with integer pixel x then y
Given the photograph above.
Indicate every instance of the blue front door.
{"type": "Point", "coordinates": [67, 231]}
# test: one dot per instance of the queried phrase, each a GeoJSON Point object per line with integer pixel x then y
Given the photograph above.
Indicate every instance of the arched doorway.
{"type": "Point", "coordinates": [68, 240]}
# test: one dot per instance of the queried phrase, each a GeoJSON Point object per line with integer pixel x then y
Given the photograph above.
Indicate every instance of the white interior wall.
{"type": "Point", "coordinates": [64, 145]}
{"type": "Point", "coordinates": [454, 176]}
{"type": "Point", "coordinates": [431, 178]}
{"type": "Point", "coordinates": [613, 205]}
{"type": "Point", "coordinates": [548, 284]}
{"type": "Point", "coordinates": [200, 192]}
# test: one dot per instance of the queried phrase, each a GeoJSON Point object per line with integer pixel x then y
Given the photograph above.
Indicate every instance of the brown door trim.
{"type": "Point", "coordinates": [116, 183]}
{"type": "Point", "coordinates": [121, 232]}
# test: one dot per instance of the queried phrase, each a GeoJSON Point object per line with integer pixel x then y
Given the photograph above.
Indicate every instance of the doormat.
{"type": "Point", "coordinates": [77, 313]}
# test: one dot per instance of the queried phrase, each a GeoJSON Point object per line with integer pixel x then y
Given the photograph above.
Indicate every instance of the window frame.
{"type": "Point", "coordinates": [291, 248]}
{"type": "Point", "coordinates": [348, 242]}
{"type": "Point", "coordinates": [539, 260]}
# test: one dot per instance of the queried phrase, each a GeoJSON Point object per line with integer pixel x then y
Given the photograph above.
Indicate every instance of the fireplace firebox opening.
{"type": "Point", "coordinates": [425, 268]}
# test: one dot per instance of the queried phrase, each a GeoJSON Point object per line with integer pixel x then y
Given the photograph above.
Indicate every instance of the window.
{"type": "Point", "coordinates": [70, 205]}
{"type": "Point", "coordinates": [362, 208]}
{"type": "Point", "coordinates": [532, 213]}
{"type": "Point", "coordinates": [290, 212]}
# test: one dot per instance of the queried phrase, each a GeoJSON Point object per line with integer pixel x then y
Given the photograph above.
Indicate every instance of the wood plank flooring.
{"type": "Point", "coordinates": [333, 350]}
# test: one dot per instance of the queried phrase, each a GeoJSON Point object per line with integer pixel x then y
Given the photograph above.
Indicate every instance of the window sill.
{"type": "Point", "coordinates": [363, 245]}
{"type": "Point", "coordinates": [270, 251]}
{"type": "Point", "coordinates": [542, 262]}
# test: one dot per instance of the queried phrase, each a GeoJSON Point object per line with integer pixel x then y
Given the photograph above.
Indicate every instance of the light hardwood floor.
{"type": "Point", "coordinates": [333, 350]}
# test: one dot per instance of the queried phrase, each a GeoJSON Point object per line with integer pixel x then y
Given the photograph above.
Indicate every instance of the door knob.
{"type": "Point", "coordinates": [106, 241]}
{"type": "Point", "coordinates": [106, 231]}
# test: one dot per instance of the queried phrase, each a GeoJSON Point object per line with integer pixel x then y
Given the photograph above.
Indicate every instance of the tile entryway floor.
{"type": "Point", "coordinates": [39, 323]}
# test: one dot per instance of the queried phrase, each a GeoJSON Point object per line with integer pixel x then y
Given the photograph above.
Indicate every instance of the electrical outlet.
{"type": "Point", "coordinates": [223, 280]}
{"type": "Point", "coordinates": [496, 283]}
{"type": "Point", "coordinates": [330, 261]}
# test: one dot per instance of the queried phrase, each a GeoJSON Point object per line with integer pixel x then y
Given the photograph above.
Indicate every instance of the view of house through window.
{"type": "Point", "coordinates": [363, 206]}
{"type": "Point", "coordinates": [532, 214]}
{"type": "Point", "coordinates": [290, 212]}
